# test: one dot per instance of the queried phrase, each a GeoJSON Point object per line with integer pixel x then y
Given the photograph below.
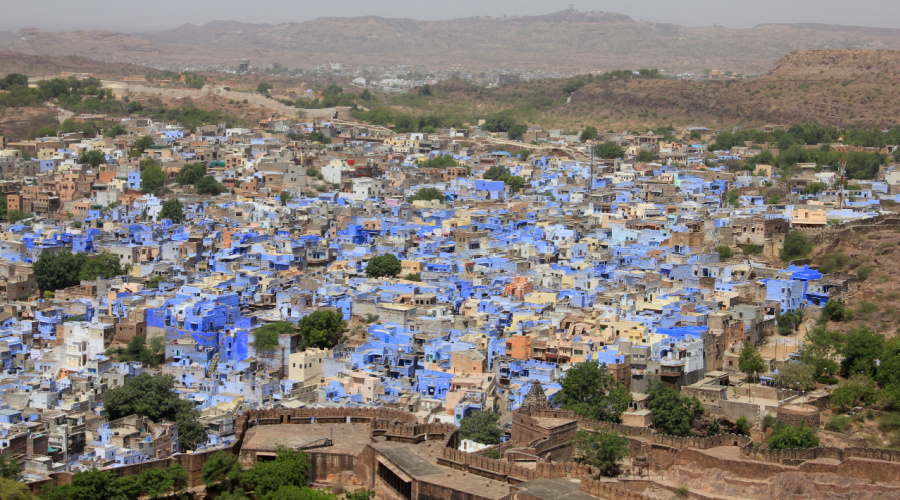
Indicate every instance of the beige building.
{"type": "Point", "coordinates": [307, 365]}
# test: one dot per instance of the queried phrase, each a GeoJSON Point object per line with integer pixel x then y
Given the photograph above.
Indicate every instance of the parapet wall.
{"type": "Point", "coordinates": [609, 491]}
{"type": "Point", "coordinates": [786, 456]}
{"type": "Point", "coordinates": [638, 432]}
{"type": "Point", "coordinates": [827, 233]}
{"type": "Point", "coordinates": [499, 470]}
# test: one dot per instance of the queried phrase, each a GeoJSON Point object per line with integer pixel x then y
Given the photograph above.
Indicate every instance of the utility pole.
{"type": "Point", "coordinates": [841, 192]}
{"type": "Point", "coordinates": [591, 179]}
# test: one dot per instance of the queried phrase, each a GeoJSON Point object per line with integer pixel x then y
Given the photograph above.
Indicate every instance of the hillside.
{"type": "Point", "coordinates": [32, 65]}
{"type": "Point", "coordinates": [849, 87]}
{"type": "Point", "coordinates": [563, 42]}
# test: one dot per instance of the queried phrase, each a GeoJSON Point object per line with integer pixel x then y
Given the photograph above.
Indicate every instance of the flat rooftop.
{"type": "Point", "coordinates": [349, 439]}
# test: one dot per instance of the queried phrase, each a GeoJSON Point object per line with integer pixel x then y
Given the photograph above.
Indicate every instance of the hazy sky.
{"type": "Point", "coordinates": [145, 15]}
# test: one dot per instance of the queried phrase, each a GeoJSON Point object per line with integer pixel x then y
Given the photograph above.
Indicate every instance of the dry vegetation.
{"type": "Point", "coordinates": [849, 88]}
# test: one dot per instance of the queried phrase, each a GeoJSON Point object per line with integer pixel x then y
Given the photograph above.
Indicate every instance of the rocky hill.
{"type": "Point", "coordinates": [32, 65]}
{"type": "Point", "coordinates": [835, 87]}
{"type": "Point", "coordinates": [566, 42]}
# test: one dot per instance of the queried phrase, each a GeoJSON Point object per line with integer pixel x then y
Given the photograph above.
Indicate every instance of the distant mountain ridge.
{"type": "Point", "coordinates": [561, 42]}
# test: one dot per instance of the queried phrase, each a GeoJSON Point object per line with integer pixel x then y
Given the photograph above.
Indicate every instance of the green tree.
{"type": "Point", "coordinates": [291, 492]}
{"type": "Point", "coordinates": [481, 427]}
{"type": "Point", "coordinates": [284, 197]}
{"type": "Point", "coordinates": [815, 188]}
{"type": "Point", "coordinates": [14, 216]}
{"type": "Point", "coordinates": [672, 413]}
{"type": "Point", "coordinates": [57, 270]}
{"type": "Point", "coordinates": [590, 391]}
{"type": "Point", "coordinates": [172, 209]}
{"type": "Point", "coordinates": [222, 471]}
{"type": "Point", "coordinates": [514, 182]}
{"type": "Point", "coordinates": [322, 328]}
{"type": "Point", "coordinates": [152, 396]}
{"type": "Point", "coordinates": [742, 426]}
{"type": "Point", "coordinates": [750, 360]}
{"type": "Point", "coordinates": [860, 350]}
{"type": "Point", "coordinates": [789, 437]}
{"type": "Point", "coordinates": [645, 155]}
{"type": "Point", "coordinates": [516, 132]}
{"type": "Point", "coordinates": [732, 196]}
{"type": "Point", "coordinates": [191, 173]}
{"type": "Point", "coordinates": [14, 490]}
{"type": "Point", "coordinates": [609, 150]}
{"type": "Point", "coordinates": [106, 265]}
{"type": "Point", "coordinates": [153, 179]}
{"type": "Point", "coordinates": [889, 370]}
{"type": "Point", "coordinates": [796, 246]}
{"type": "Point", "coordinates": [836, 310]}
{"type": "Point", "coordinates": [94, 158]}
{"type": "Point", "coordinates": [156, 483]}
{"type": "Point", "coordinates": [857, 390]}
{"type": "Point", "coordinates": [496, 173]}
{"type": "Point", "coordinates": [289, 468]}
{"type": "Point", "coordinates": [9, 468]}
{"type": "Point", "coordinates": [115, 130]}
{"type": "Point", "coordinates": [154, 282]}
{"type": "Point", "coordinates": [143, 143]}
{"type": "Point", "coordinates": [265, 338]}
{"type": "Point", "coordinates": [264, 88]}
{"type": "Point", "coordinates": [588, 134]}
{"type": "Point", "coordinates": [797, 376]}
{"type": "Point", "coordinates": [427, 194]}
{"type": "Point", "coordinates": [601, 449]}
{"type": "Point", "coordinates": [383, 265]}
{"type": "Point", "coordinates": [319, 137]}
{"type": "Point", "coordinates": [724, 252]}
{"type": "Point", "coordinates": [209, 185]}
{"type": "Point", "coordinates": [414, 277]}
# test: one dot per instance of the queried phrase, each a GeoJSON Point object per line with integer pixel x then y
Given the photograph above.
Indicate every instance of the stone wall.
{"type": "Point", "coordinates": [638, 432]}
{"type": "Point", "coordinates": [498, 470]}
{"type": "Point", "coordinates": [841, 454]}
{"type": "Point", "coordinates": [832, 233]}
{"type": "Point", "coordinates": [609, 490]}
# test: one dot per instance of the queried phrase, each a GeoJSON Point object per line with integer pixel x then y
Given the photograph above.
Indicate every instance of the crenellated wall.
{"type": "Point", "coordinates": [609, 490]}
{"type": "Point", "coordinates": [702, 443]}
{"type": "Point", "coordinates": [794, 456]}
{"type": "Point", "coordinates": [498, 470]}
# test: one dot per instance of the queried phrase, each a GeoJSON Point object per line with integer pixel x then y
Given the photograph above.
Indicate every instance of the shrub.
{"type": "Point", "coordinates": [796, 246]}
{"type": "Point", "coordinates": [751, 249]}
{"type": "Point", "coordinates": [838, 423]}
{"type": "Point", "coordinates": [724, 252]}
{"type": "Point", "coordinates": [788, 437]}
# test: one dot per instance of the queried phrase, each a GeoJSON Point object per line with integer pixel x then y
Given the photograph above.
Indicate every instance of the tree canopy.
{"type": "Point", "coordinates": [427, 194]}
{"type": "Point", "coordinates": [481, 427]}
{"type": "Point", "coordinates": [589, 391]}
{"type": "Point", "coordinates": [787, 437]}
{"type": "Point", "coordinates": [265, 338]}
{"type": "Point", "coordinates": [796, 246]}
{"type": "Point", "coordinates": [609, 150]}
{"type": "Point", "coordinates": [383, 265]}
{"type": "Point", "coordinates": [153, 179]}
{"type": "Point", "coordinates": [190, 173]}
{"type": "Point", "coordinates": [209, 185]}
{"type": "Point", "coordinates": [94, 158]}
{"type": "Point", "coordinates": [750, 361]}
{"type": "Point", "coordinates": [672, 413]}
{"type": "Point", "coordinates": [152, 396]}
{"type": "Point", "coordinates": [589, 133]}
{"type": "Point", "coordinates": [172, 209]}
{"type": "Point", "coordinates": [58, 270]}
{"type": "Point", "coordinates": [322, 328]}
{"type": "Point", "coordinates": [601, 449]}
{"type": "Point", "coordinates": [104, 485]}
